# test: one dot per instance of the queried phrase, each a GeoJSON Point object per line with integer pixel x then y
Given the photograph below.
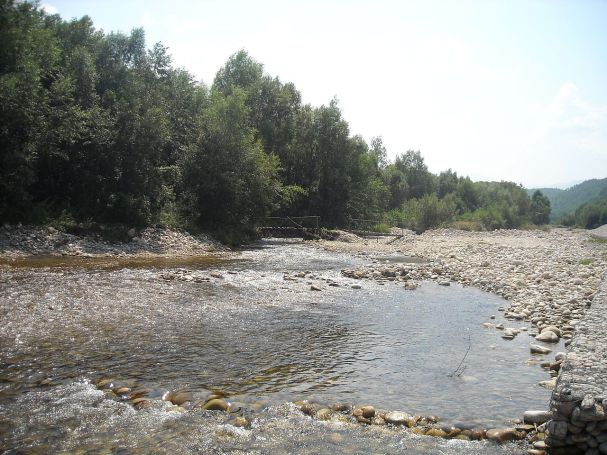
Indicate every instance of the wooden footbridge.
{"type": "Point", "coordinates": [306, 227]}
{"type": "Point", "coordinates": [309, 227]}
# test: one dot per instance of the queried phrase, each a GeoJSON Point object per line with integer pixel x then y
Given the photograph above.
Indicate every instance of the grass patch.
{"type": "Point", "coordinates": [535, 227]}
{"type": "Point", "coordinates": [466, 225]}
{"type": "Point", "coordinates": [381, 227]}
{"type": "Point", "coordinates": [595, 240]}
{"type": "Point", "coordinates": [586, 261]}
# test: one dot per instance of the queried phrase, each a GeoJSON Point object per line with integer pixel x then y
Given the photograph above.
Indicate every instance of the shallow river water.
{"type": "Point", "coordinates": [261, 341]}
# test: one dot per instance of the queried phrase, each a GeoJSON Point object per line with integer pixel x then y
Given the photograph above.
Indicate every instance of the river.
{"type": "Point", "coordinates": [250, 329]}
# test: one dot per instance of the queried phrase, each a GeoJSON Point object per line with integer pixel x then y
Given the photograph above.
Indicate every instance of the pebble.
{"type": "Point", "coordinates": [240, 422]}
{"type": "Point", "coordinates": [549, 384]}
{"type": "Point", "coordinates": [215, 404]}
{"type": "Point", "coordinates": [40, 240]}
{"type": "Point", "coordinates": [368, 412]}
{"type": "Point", "coordinates": [396, 418]}
{"type": "Point", "coordinates": [547, 337]}
{"type": "Point", "coordinates": [537, 417]}
{"type": "Point", "coordinates": [537, 349]}
{"type": "Point", "coordinates": [504, 434]}
{"type": "Point", "coordinates": [180, 398]}
{"type": "Point", "coordinates": [324, 414]}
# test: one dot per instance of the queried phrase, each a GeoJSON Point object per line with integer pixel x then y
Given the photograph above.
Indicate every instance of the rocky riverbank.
{"type": "Point", "coordinates": [549, 277]}
{"type": "Point", "coordinates": [20, 241]}
{"type": "Point", "coordinates": [579, 401]}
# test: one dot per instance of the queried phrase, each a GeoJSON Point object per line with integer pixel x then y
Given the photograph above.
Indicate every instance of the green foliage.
{"type": "Point", "coordinates": [540, 208]}
{"type": "Point", "coordinates": [96, 128]}
{"type": "Point", "coordinates": [427, 212]}
{"type": "Point", "coordinates": [564, 202]}
{"type": "Point", "coordinates": [231, 180]}
{"type": "Point", "coordinates": [589, 215]}
{"type": "Point", "coordinates": [419, 180]}
{"type": "Point", "coordinates": [384, 228]}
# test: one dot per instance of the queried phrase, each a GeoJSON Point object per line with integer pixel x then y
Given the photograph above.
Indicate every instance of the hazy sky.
{"type": "Point", "coordinates": [497, 90]}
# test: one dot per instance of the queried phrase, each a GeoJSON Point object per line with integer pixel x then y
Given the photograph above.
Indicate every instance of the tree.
{"type": "Point", "coordinates": [232, 181]}
{"type": "Point", "coordinates": [419, 179]}
{"type": "Point", "coordinates": [447, 183]}
{"type": "Point", "coordinates": [398, 189]}
{"type": "Point", "coordinates": [379, 153]}
{"type": "Point", "coordinates": [540, 208]}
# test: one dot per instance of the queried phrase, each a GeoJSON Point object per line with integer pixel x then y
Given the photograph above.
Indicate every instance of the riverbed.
{"type": "Point", "coordinates": [272, 325]}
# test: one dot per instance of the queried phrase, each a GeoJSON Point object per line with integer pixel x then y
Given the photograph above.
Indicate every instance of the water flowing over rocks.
{"type": "Point", "coordinates": [549, 288]}
{"type": "Point", "coordinates": [142, 399]}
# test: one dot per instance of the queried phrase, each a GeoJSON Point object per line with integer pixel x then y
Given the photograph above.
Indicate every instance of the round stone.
{"type": "Point", "coordinates": [396, 418]}
{"type": "Point", "coordinates": [215, 404]}
{"type": "Point", "coordinates": [368, 412]}
{"type": "Point", "coordinates": [547, 337]}
{"type": "Point", "coordinates": [537, 417]}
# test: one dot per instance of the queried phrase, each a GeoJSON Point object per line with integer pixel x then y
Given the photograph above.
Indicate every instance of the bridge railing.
{"type": "Point", "coordinates": [308, 222]}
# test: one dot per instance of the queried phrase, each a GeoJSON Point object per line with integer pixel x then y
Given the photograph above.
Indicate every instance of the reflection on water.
{"type": "Point", "coordinates": [257, 338]}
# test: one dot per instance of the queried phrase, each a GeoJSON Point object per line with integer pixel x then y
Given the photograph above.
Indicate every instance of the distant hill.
{"type": "Point", "coordinates": [565, 201]}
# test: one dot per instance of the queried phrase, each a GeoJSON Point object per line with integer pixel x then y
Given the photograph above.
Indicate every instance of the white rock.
{"type": "Point", "coordinates": [549, 384]}
{"type": "Point", "coordinates": [552, 328]}
{"type": "Point", "coordinates": [537, 349]}
{"type": "Point", "coordinates": [548, 337]}
{"type": "Point", "coordinates": [396, 418]}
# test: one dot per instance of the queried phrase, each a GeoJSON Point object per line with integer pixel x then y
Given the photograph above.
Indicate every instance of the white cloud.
{"type": "Point", "coordinates": [569, 110]}
{"type": "Point", "coordinates": [147, 20]}
{"type": "Point", "coordinates": [570, 138]}
{"type": "Point", "coordinates": [50, 9]}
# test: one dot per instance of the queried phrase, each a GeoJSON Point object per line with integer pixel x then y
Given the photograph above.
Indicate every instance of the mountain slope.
{"type": "Point", "coordinates": [565, 201]}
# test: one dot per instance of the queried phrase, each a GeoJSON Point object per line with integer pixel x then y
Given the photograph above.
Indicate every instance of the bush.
{"type": "Point", "coordinates": [381, 227]}
{"type": "Point", "coordinates": [427, 212]}
{"type": "Point", "coordinates": [589, 215]}
{"type": "Point", "coordinates": [470, 225]}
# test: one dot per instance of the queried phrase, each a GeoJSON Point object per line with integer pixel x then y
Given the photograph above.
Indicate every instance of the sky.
{"type": "Point", "coordinates": [496, 90]}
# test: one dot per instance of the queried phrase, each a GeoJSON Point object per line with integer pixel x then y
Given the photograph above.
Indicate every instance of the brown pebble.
{"type": "Point", "coordinates": [215, 405]}
{"type": "Point", "coordinates": [308, 409]}
{"type": "Point", "coordinates": [342, 407]}
{"type": "Point", "coordinates": [144, 404]}
{"type": "Point", "coordinates": [368, 412]}
{"type": "Point", "coordinates": [104, 382]}
{"type": "Point", "coordinates": [180, 398]}
{"type": "Point", "coordinates": [437, 432]}
{"type": "Point", "coordinates": [240, 422]}
{"type": "Point", "coordinates": [324, 414]}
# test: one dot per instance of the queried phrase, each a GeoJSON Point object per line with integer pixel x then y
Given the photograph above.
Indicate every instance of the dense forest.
{"type": "Point", "coordinates": [100, 128]}
{"type": "Point", "coordinates": [592, 213]}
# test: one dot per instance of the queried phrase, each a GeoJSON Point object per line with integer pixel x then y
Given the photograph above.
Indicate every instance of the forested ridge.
{"type": "Point", "coordinates": [584, 204]}
{"type": "Point", "coordinates": [96, 127]}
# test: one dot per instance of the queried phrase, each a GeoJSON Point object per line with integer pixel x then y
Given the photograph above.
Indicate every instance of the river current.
{"type": "Point", "coordinates": [255, 332]}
